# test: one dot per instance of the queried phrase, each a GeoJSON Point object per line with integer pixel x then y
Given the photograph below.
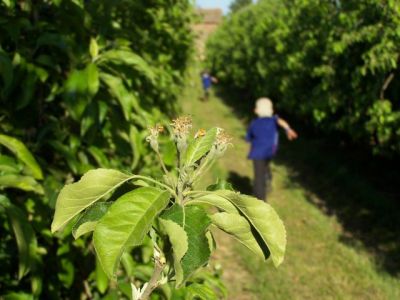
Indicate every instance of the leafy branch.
{"type": "Point", "coordinates": [171, 214]}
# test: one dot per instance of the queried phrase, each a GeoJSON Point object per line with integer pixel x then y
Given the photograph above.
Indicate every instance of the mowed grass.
{"type": "Point", "coordinates": [319, 264]}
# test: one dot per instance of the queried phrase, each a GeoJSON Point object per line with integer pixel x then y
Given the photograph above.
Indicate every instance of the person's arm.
{"type": "Point", "coordinates": [290, 133]}
{"type": "Point", "coordinates": [249, 134]}
{"type": "Point", "coordinates": [214, 79]}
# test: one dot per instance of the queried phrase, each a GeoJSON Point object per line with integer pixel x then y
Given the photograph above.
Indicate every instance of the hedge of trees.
{"type": "Point", "coordinates": [80, 81]}
{"type": "Point", "coordinates": [334, 64]}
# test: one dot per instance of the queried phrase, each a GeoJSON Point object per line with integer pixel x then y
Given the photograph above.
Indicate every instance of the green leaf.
{"type": "Point", "coordinates": [200, 146]}
{"type": "Point", "coordinates": [92, 79]}
{"type": "Point", "coordinates": [240, 228]}
{"type": "Point", "coordinates": [265, 221]}
{"type": "Point", "coordinates": [88, 220]}
{"type": "Point", "coordinates": [136, 145]}
{"type": "Point", "coordinates": [200, 291]}
{"type": "Point", "coordinates": [169, 152]}
{"type": "Point", "coordinates": [220, 185]}
{"type": "Point", "coordinates": [9, 165]}
{"type": "Point", "coordinates": [129, 58]}
{"type": "Point", "coordinates": [66, 272]}
{"type": "Point", "coordinates": [179, 241]}
{"type": "Point", "coordinates": [127, 99]}
{"type": "Point", "coordinates": [93, 48]}
{"type": "Point", "coordinates": [89, 118]}
{"type": "Point", "coordinates": [195, 222]}
{"type": "Point", "coordinates": [18, 296]}
{"type": "Point", "coordinates": [98, 155]}
{"type": "Point", "coordinates": [128, 264]}
{"type": "Point", "coordinates": [75, 197]}
{"type": "Point", "coordinates": [126, 223]}
{"type": "Point", "coordinates": [25, 183]}
{"type": "Point", "coordinates": [23, 154]}
{"type": "Point", "coordinates": [101, 278]}
{"type": "Point", "coordinates": [217, 200]}
{"type": "Point", "coordinates": [211, 241]}
{"type": "Point", "coordinates": [25, 237]}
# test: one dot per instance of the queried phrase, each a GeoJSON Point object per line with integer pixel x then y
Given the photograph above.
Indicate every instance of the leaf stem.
{"type": "Point", "coordinates": [155, 277]}
{"type": "Point", "coordinates": [162, 163]}
{"type": "Point", "coordinates": [197, 192]}
{"type": "Point", "coordinates": [156, 182]}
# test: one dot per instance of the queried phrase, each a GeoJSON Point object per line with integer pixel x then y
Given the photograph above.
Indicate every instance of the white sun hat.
{"type": "Point", "coordinates": [264, 107]}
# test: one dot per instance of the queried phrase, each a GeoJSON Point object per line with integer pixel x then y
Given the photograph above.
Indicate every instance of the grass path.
{"type": "Point", "coordinates": [317, 264]}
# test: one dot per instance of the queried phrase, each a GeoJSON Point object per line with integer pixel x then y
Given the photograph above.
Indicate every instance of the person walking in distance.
{"type": "Point", "coordinates": [263, 136]}
{"type": "Point", "coordinates": [207, 80]}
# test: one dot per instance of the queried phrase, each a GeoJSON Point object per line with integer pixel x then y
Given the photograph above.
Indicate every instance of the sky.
{"type": "Point", "coordinates": [224, 4]}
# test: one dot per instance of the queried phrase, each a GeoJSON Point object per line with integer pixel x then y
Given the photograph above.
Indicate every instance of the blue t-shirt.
{"type": "Point", "coordinates": [206, 80]}
{"type": "Point", "coordinates": [263, 136]}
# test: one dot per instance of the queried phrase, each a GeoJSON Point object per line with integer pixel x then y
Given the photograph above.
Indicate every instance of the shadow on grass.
{"type": "Point", "coordinates": [340, 186]}
{"type": "Point", "coordinates": [361, 190]}
{"type": "Point", "coordinates": [240, 183]}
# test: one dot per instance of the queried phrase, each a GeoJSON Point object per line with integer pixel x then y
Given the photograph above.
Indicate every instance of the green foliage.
{"type": "Point", "coordinates": [76, 197]}
{"type": "Point", "coordinates": [169, 214]}
{"type": "Point", "coordinates": [126, 223]}
{"type": "Point", "coordinates": [194, 221]}
{"type": "Point", "coordinates": [88, 220]}
{"type": "Point", "coordinates": [79, 83]}
{"type": "Point", "coordinates": [199, 147]}
{"type": "Point", "coordinates": [239, 4]}
{"type": "Point", "coordinates": [329, 63]}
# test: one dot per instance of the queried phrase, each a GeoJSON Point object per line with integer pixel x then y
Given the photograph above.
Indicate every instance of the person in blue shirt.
{"type": "Point", "coordinates": [207, 80]}
{"type": "Point", "coordinates": [263, 136]}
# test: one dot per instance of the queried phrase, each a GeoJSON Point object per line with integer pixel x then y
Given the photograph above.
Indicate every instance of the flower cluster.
{"type": "Point", "coordinates": [222, 141]}
{"type": "Point", "coordinates": [153, 137]}
{"type": "Point", "coordinates": [181, 127]}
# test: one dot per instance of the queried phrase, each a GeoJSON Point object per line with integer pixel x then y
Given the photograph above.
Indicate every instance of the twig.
{"type": "Point", "coordinates": [385, 85]}
{"type": "Point", "coordinates": [87, 289]}
{"type": "Point", "coordinates": [162, 163]}
{"type": "Point", "coordinates": [155, 278]}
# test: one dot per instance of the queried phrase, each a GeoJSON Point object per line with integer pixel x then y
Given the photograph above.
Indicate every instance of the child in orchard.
{"type": "Point", "coordinates": [263, 136]}
{"type": "Point", "coordinates": [207, 80]}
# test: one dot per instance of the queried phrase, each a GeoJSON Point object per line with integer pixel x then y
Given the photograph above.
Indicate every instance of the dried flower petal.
{"type": "Point", "coordinates": [153, 137]}
{"type": "Point", "coordinates": [181, 126]}
{"type": "Point", "coordinates": [201, 132]}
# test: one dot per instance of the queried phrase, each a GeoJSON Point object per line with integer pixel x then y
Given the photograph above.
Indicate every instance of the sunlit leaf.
{"type": "Point", "coordinates": [126, 223]}
{"type": "Point", "coordinates": [200, 291]}
{"type": "Point", "coordinates": [136, 145]}
{"type": "Point", "coordinates": [18, 296]}
{"type": "Point", "coordinates": [240, 228]}
{"type": "Point", "coordinates": [179, 241]}
{"type": "Point", "coordinates": [217, 200]}
{"type": "Point", "coordinates": [23, 154]}
{"type": "Point", "coordinates": [93, 48]}
{"type": "Point", "coordinates": [9, 165]}
{"type": "Point", "coordinates": [200, 146]}
{"type": "Point", "coordinates": [75, 197]}
{"type": "Point", "coordinates": [101, 278]}
{"type": "Point", "coordinates": [25, 183]}
{"type": "Point", "coordinates": [265, 221]}
{"type": "Point", "coordinates": [92, 79]}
